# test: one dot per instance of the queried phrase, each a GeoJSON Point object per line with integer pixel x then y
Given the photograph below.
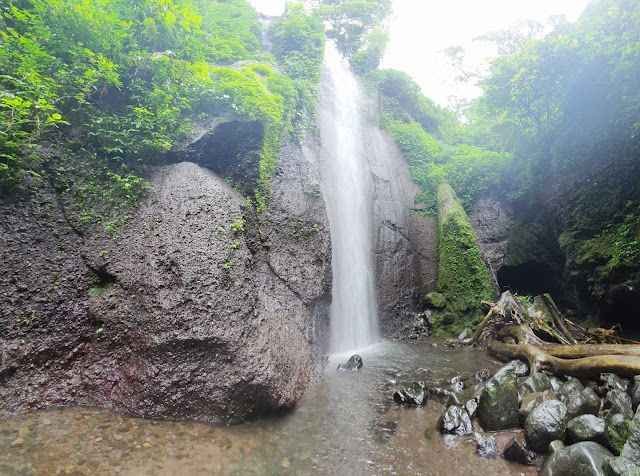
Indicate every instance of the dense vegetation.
{"type": "Point", "coordinates": [357, 28]}
{"type": "Point", "coordinates": [433, 141]}
{"type": "Point", "coordinates": [464, 280]}
{"type": "Point", "coordinates": [556, 133]}
{"type": "Point", "coordinates": [104, 87]}
{"type": "Point", "coordinates": [567, 107]}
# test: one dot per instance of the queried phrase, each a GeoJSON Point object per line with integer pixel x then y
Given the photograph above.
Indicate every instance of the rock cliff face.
{"type": "Point", "coordinates": [405, 239]}
{"type": "Point", "coordinates": [197, 309]}
{"type": "Point", "coordinates": [576, 239]}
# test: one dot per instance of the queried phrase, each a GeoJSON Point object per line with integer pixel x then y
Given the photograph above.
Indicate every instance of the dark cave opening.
{"type": "Point", "coordinates": [622, 307]}
{"type": "Point", "coordinates": [530, 278]}
{"type": "Point", "coordinates": [232, 150]}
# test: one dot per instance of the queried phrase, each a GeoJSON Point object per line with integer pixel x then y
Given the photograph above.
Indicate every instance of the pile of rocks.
{"type": "Point", "coordinates": [588, 427]}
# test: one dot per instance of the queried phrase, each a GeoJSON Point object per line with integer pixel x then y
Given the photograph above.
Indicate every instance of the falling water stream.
{"type": "Point", "coordinates": [348, 193]}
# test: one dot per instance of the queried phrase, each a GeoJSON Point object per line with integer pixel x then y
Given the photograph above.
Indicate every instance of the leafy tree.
{"type": "Point", "coordinates": [352, 21]}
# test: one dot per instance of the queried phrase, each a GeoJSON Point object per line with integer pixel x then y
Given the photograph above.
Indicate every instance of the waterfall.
{"type": "Point", "coordinates": [348, 192]}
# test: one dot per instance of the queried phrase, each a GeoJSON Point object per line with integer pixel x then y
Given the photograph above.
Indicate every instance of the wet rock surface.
{"type": "Point", "coordinates": [486, 445]}
{"type": "Point", "coordinates": [411, 394]}
{"type": "Point", "coordinates": [188, 312]}
{"type": "Point", "coordinates": [353, 364]}
{"type": "Point", "coordinates": [498, 405]}
{"type": "Point", "coordinates": [456, 421]}
{"type": "Point", "coordinates": [581, 459]}
{"type": "Point", "coordinates": [618, 401]}
{"type": "Point", "coordinates": [617, 430]}
{"type": "Point", "coordinates": [519, 453]}
{"type": "Point", "coordinates": [546, 423]}
{"type": "Point", "coordinates": [635, 391]}
{"type": "Point", "coordinates": [532, 400]}
{"type": "Point", "coordinates": [628, 463]}
{"type": "Point", "coordinates": [586, 428]}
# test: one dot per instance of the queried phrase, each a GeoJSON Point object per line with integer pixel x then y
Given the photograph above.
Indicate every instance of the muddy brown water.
{"type": "Point", "coordinates": [347, 424]}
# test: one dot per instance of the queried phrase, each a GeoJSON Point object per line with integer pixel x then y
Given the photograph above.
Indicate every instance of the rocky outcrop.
{"type": "Point", "coordinates": [405, 241]}
{"type": "Point", "coordinates": [492, 221]}
{"type": "Point", "coordinates": [197, 309]}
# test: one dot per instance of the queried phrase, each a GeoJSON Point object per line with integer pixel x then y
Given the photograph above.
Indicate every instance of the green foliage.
{"type": "Point", "coordinates": [613, 252]}
{"type": "Point", "coordinates": [403, 100]}
{"type": "Point", "coordinates": [103, 197]}
{"type": "Point", "coordinates": [238, 225]}
{"type": "Point", "coordinates": [352, 20]}
{"type": "Point", "coordinates": [463, 277]}
{"type": "Point", "coordinates": [113, 82]}
{"type": "Point", "coordinates": [566, 102]}
{"type": "Point", "coordinates": [298, 43]}
{"type": "Point", "coordinates": [369, 56]}
{"type": "Point", "coordinates": [473, 171]}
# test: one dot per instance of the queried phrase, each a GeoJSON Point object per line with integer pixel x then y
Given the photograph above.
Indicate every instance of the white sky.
{"type": "Point", "coordinates": [420, 31]}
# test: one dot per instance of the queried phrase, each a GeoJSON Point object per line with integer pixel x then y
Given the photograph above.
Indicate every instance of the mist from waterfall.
{"type": "Point", "coordinates": [348, 192]}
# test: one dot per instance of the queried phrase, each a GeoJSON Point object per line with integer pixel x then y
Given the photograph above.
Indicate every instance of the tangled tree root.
{"type": "Point", "coordinates": [512, 332]}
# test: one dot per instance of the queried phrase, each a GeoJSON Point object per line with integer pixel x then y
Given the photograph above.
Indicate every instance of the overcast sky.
{"type": "Point", "coordinates": [420, 31]}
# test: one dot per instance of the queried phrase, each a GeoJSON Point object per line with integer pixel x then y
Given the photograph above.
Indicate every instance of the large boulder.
{"type": "Point", "coordinates": [582, 459]}
{"type": "Point", "coordinates": [498, 406]}
{"type": "Point", "coordinates": [187, 312]}
{"type": "Point", "coordinates": [547, 422]}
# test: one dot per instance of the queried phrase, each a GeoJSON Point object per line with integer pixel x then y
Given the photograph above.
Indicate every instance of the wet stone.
{"type": "Point", "coordinates": [635, 392]}
{"type": "Point", "coordinates": [482, 375]}
{"type": "Point", "coordinates": [586, 428]}
{"type": "Point", "coordinates": [457, 384]}
{"type": "Point", "coordinates": [536, 382]}
{"type": "Point", "coordinates": [471, 406]}
{"type": "Point", "coordinates": [532, 400]}
{"type": "Point", "coordinates": [486, 445]}
{"type": "Point", "coordinates": [547, 422]}
{"type": "Point", "coordinates": [586, 458]}
{"type": "Point", "coordinates": [621, 467]}
{"type": "Point", "coordinates": [618, 401]}
{"type": "Point", "coordinates": [412, 394]}
{"type": "Point", "coordinates": [617, 431]}
{"type": "Point", "coordinates": [556, 383]}
{"type": "Point", "coordinates": [582, 403]}
{"type": "Point", "coordinates": [628, 463]}
{"type": "Point", "coordinates": [498, 406]}
{"type": "Point", "coordinates": [518, 453]}
{"type": "Point", "coordinates": [520, 368]}
{"type": "Point", "coordinates": [354, 363]}
{"type": "Point", "coordinates": [613, 382]}
{"type": "Point", "coordinates": [456, 421]}
{"type": "Point", "coordinates": [570, 389]}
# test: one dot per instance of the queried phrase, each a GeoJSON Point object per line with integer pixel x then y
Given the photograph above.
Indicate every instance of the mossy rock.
{"type": "Point", "coordinates": [464, 280]}
{"type": "Point", "coordinates": [436, 300]}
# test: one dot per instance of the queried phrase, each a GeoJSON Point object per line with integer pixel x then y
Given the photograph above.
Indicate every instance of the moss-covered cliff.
{"type": "Point", "coordinates": [464, 279]}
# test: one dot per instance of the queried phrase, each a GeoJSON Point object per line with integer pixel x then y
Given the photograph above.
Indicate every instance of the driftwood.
{"type": "Point", "coordinates": [511, 332]}
{"type": "Point", "coordinates": [540, 359]}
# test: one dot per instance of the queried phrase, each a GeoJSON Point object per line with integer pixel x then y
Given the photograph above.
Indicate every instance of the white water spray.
{"type": "Point", "coordinates": [348, 192]}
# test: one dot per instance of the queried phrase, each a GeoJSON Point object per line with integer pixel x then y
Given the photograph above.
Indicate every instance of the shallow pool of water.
{"type": "Point", "coordinates": [347, 424]}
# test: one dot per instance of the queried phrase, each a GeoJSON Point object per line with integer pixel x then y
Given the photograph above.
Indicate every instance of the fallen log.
{"type": "Point", "coordinates": [584, 367]}
{"type": "Point", "coordinates": [590, 350]}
